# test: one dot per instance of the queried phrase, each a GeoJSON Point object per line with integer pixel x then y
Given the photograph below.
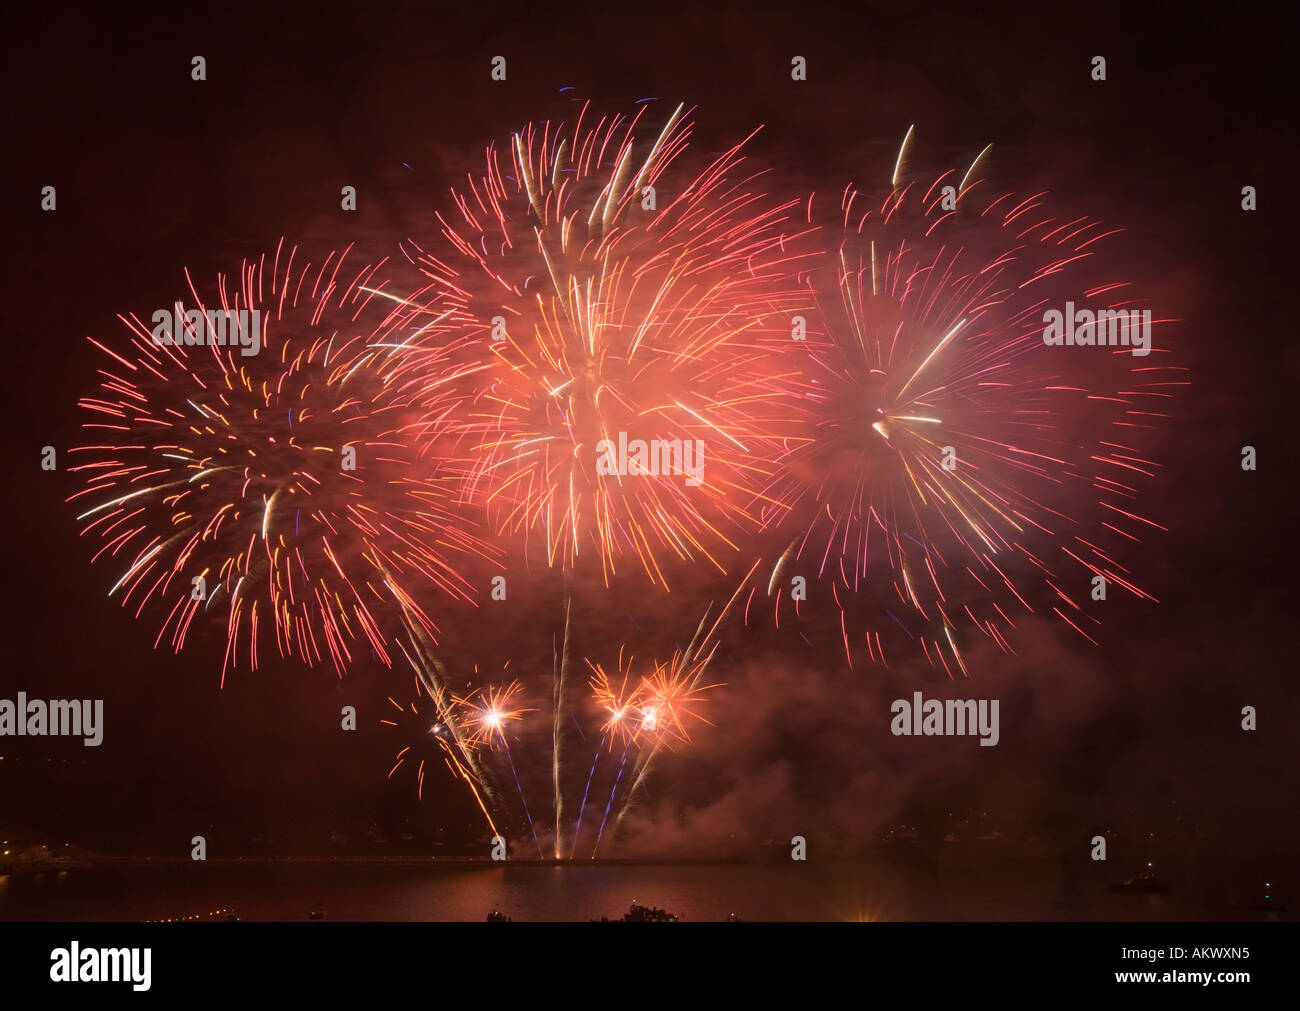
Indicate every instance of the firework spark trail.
{"type": "Point", "coordinates": [532, 827]}
{"type": "Point", "coordinates": [561, 668]}
{"type": "Point", "coordinates": [455, 757]}
{"type": "Point", "coordinates": [931, 343]}
{"type": "Point", "coordinates": [467, 723]}
{"type": "Point", "coordinates": [283, 480]}
{"type": "Point", "coordinates": [577, 824]}
{"type": "Point", "coordinates": [610, 803]}
{"type": "Point", "coordinates": [432, 675]}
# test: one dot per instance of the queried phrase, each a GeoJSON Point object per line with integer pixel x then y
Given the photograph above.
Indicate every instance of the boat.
{"type": "Point", "coordinates": [318, 912]}
{"type": "Point", "coordinates": [648, 914]}
{"type": "Point", "coordinates": [1146, 883]}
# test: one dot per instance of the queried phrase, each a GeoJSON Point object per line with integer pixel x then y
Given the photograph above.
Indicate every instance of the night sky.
{"type": "Point", "coordinates": [156, 172]}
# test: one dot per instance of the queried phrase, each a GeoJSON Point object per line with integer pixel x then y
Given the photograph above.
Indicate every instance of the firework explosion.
{"type": "Point", "coordinates": [657, 707]}
{"type": "Point", "coordinates": [452, 730]}
{"type": "Point", "coordinates": [616, 299]}
{"type": "Point", "coordinates": [632, 716]}
{"type": "Point", "coordinates": [589, 294]}
{"type": "Point", "coordinates": [949, 462]}
{"type": "Point", "coordinates": [277, 493]}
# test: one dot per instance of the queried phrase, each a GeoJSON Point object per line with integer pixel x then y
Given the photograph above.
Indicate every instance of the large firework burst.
{"type": "Point", "coordinates": [949, 462]}
{"type": "Point", "coordinates": [618, 301]}
{"type": "Point", "coordinates": [278, 493]}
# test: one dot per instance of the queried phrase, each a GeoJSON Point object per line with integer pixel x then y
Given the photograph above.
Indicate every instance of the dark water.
{"type": "Point", "coordinates": [370, 892]}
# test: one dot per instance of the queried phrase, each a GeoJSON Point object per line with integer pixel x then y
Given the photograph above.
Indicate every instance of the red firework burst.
{"type": "Point", "coordinates": [621, 307]}
{"type": "Point", "coordinates": [278, 490]}
{"type": "Point", "coordinates": [949, 462]}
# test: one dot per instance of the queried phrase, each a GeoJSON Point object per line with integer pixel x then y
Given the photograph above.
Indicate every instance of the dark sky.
{"type": "Point", "coordinates": [156, 172]}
